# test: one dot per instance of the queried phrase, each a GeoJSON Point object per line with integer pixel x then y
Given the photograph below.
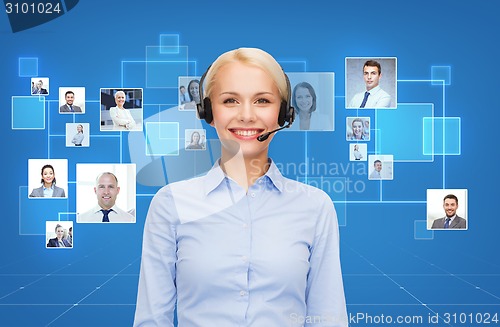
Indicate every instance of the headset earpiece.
{"type": "Point", "coordinates": [282, 114]}
{"type": "Point", "coordinates": [207, 108]}
{"type": "Point", "coordinates": [287, 112]}
{"type": "Point", "coordinates": [204, 108]}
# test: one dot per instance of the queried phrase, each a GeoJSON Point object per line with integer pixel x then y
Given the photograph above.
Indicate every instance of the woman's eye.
{"type": "Point", "coordinates": [230, 100]}
{"type": "Point", "coordinates": [263, 101]}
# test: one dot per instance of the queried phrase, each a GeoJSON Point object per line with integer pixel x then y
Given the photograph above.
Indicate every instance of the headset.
{"type": "Point", "coordinates": [286, 114]}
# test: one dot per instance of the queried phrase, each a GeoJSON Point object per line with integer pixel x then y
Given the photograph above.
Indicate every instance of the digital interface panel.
{"type": "Point", "coordinates": [394, 111]}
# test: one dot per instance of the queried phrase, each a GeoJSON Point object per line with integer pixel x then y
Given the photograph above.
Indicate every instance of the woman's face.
{"type": "Point", "coordinates": [304, 99]}
{"type": "Point", "coordinates": [194, 90]}
{"type": "Point", "coordinates": [246, 104]}
{"type": "Point", "coordinates": [196, 138]}
{"type": "Point", "coordinates": [48, 175]}
{"type": "Point", "coordinates": [79, 129]}
{"type": "Point", "coordinates": [357, 128]}
{"type": "Point", "coordinates": [120, 99]}
{"type": "Point", "coordinates": [59, 232]}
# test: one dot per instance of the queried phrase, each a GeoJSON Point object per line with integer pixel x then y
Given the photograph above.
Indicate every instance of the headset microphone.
{"type": "Point", "coordinates": [263, 137]}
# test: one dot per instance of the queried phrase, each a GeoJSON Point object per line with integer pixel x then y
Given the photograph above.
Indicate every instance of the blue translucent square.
{"type": "Point", "coordinates": [336, 188]}
{"type": "Point", "coordinates": [169, 43]}
{"type": "Point", "coordinates": [165, 73]}
{"type": "Point", "coordinates": [421, 232]}
{"type": "Point", "coordinates": [34, 212]}
{"type": "Point", "coordinates": [440, 75]}
{"type": "Point", "coordinates": [28, 112]}
{"type": "Point", "coordinates": [28, 67]}
{"type": "Point", "coordinates": [391, 124]}
{"type": "Point", "coordinates": [162, 139]}
{"type": "Point", "coordinates": [442, 136]}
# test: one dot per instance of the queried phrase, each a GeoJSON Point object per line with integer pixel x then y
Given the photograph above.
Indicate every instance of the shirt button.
{"type": "Point", "coordinates": [245, 226]}
{"type": "Point", "coordinates": [242, 293]}
{"type": "Point", "coordinates": [252, 195]}
{"type": "Point", "coordinates": [244, 258]}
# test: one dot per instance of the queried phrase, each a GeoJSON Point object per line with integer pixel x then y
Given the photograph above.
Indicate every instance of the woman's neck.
{"type": "Point", "coordinates": [243, 170]}
{"type": "Point", "coordinates": [47, 185]}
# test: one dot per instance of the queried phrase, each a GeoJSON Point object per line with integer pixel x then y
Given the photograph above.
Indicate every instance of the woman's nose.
{"type": "Point", "coordinates": [246, 112]}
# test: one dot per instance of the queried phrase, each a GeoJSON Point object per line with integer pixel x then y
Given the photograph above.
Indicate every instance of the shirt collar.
{"type": "Point", "coordinates": [374, 90]}
{"type": "Point", "coordinates": [215, 176]}
{"type": "Point", "coordinates": [48, 188]}
{"type": "Point", "coordinates": [97, 209]}
{"type": "Point", "coordinates": [275, 176]}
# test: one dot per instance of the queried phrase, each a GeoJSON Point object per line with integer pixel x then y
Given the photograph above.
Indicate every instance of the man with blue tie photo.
{"type": "Point", "coordinates": [451, 220]}
{"type": "Point", "coordinates": [374, 96]}
{"type": "Point", "coordinates": [69, 96]}
{"type": "Point", "coordinates": [106, 210]}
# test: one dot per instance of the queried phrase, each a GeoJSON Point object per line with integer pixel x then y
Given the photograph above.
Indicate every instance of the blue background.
{"type": "Point", "coordinates": [388, 268]}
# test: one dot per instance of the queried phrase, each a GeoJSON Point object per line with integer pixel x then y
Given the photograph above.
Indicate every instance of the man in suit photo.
{"type": "Point", "coordinates": [69, 96]}
{"type": "Point", "coordinates": [59, 241]}
{"type": "Point", "coordinates": [452, 220]}
{"type": "Point", "coordinates": [39, 88]}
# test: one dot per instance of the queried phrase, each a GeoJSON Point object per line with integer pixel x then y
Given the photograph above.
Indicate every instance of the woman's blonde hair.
{"type": "Point", "coordinates": [248, 56]}
{"type": "Point", "coordinates": [120, 92]}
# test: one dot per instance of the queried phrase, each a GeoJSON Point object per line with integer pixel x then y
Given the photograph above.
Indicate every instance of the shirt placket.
{"type": "Point", "coordinates": [244, 255]}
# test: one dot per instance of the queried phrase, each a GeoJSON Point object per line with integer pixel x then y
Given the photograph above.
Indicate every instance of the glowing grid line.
{"type": "Point", "coordinates": [403, 105]}
{"type": "Point", "coordinates": [452, 275]}
{"type": "Point", "coordinates": [187, 62]}
{"type": "Point", "coordinates": [392, 280]}
{"type": "Point", "coordinates": [444, 111]}
{"type": "Point", "coordinates": [443, 132]}
{"type": "Point", "coordinates": [92, 292]}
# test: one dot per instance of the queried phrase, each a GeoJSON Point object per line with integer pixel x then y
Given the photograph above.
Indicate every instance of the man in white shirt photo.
{"type": "Point", "coordinates": [106, 190]}
{"type": "Point", "coordinates": [374, 96]}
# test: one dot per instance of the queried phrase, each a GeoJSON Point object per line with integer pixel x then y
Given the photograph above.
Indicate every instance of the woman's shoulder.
{"type": "Point", "coordinates": [311, 192]}
{"type": "Point", "coordinates": [310, 198]}
{"type": "Point", "coordinates": [185, 190]}
{"type": "Point", "coordinates": [174, 199]}
{"type": "Point", "coordinates": [36, 192]}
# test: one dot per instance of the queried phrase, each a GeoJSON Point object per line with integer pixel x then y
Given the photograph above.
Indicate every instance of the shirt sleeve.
{"type": "Point", "coordinates": [114, 113]}
{"type": "Point", "coordinates": [325, 291]}
{"type": "Point", "coordinates": [157, 293]}
{"type": "Point", "coordinates": [132, 121]}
